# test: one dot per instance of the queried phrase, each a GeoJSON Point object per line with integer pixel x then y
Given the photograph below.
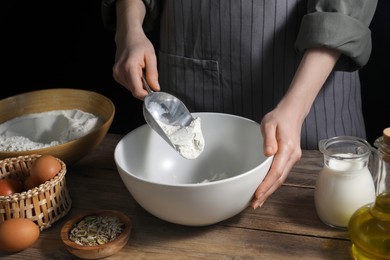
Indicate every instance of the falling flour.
{"type": "Point", "coordinates": [188, 141]}
{"type": "Point", "coordinates": [45, 129]}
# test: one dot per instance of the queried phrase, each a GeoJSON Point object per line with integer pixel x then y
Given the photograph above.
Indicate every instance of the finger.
{"type": "Point", "coordinates": [274, 174]}
{"type": "Point", "coordinates": [281, 167]}
{"type": "Point", "coordinates": [135, 79]}
{"type": "Point", "coordinates": [270, 144]}
{"type": "Point", "coordinates": [280, 162]}
{"type": "Point", "coordinates": [271, 187]}
{"type": "Point", "coordinates": [122, 71]}
{"type": "Point", "coordinates": [128, 72]}
{"type": "Point", "coordinates": [151, 72]}
{"type": "Point", "coordinates": [118, 75]}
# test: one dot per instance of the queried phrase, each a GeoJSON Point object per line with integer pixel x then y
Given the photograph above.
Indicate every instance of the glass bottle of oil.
{"type": "Point", "coordinates": [369, 226]}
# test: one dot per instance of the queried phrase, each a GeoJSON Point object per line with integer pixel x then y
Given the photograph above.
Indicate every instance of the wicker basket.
{"type": "Point", "coordinates": [44, 204]}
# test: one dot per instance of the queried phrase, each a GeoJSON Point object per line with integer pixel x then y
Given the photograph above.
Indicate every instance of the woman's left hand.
{"type": "Point", "coordinates": [281, 132]}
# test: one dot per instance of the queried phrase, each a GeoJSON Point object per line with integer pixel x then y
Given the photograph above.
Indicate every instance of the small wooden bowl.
{"type": "Point", "coordinates": [100, 251]}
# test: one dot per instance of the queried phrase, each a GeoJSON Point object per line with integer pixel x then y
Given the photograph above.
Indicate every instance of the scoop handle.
{"type": "Point", "coordinates": [146, 85]}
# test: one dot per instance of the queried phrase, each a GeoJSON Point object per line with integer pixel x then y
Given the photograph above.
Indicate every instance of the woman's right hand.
{"type": "Point", "coordinates": [134, 52]}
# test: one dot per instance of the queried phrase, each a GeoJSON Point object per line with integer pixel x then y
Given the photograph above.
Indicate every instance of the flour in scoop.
{"type": "Point", "coordinates": [188, 141]}
{"type": "Point", "coordinates": [45, 129]}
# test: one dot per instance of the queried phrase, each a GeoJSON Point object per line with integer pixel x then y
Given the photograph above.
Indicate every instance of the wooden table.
{"type": "Point", "coordinates": [286, 227]}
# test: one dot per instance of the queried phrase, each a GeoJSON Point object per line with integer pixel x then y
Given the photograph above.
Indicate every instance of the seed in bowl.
{"type": "Point", "coordinates": [96, 230]}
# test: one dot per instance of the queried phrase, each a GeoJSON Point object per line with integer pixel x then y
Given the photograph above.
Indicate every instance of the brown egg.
{"type": "Point", "coordinates": [29, 183]}
{"type": "Point", "coordinates": [9, 186]}
{"type": "Point", "coordinates": [18, 234]}
{"type": "Point", "coordinates": [44, 168]}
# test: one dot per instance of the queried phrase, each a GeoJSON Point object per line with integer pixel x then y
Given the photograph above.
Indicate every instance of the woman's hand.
{"type": "Point", "coordinates": [281, 128]}
{"type": "Point", "coordinates": [135, 53]}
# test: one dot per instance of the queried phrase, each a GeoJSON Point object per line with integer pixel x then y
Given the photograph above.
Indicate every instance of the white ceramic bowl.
{"type": "Point", "coordinates": [213, 187]}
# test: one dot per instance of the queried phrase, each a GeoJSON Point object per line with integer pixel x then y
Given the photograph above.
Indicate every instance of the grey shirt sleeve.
{"type": "Point", "coordinates": [109, 14]}
{"type": "Point", "coordinates": [342, 25]}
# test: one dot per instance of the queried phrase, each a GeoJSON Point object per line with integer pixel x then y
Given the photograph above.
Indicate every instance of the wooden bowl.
{"type": "Point", "coordinates": [60, 99]}
{"type": "Point", "coordinates": [100, 251]}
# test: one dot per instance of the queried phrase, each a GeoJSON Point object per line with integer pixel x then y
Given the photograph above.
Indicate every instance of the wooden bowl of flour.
{"type": "Point", "coordinates": [44, 102]}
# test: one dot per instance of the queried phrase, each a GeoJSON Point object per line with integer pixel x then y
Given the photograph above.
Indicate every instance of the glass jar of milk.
{"type": "Point", "coordinates": [345, 183]}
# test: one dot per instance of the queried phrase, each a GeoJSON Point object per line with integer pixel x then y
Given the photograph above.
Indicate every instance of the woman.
{"type": "Point", "coordinates": [291, 65]}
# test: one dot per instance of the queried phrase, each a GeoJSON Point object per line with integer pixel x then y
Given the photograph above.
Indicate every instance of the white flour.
{"type": "Point", "coordinates": [216, 177]}
{"type": "Point", "coordinates": [41, 130]}
{"type": "Point", "coordinates": [188, 141]}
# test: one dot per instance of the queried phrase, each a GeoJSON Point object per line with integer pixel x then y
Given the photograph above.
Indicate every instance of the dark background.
{"type": "Point", "coordinates": [62, 44]}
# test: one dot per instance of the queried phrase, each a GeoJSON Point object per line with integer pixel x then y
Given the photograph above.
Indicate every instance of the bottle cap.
{"type": "Point", "coordinates": [386, 135]}
{"type": "Point", "coordinates": [385, 148]}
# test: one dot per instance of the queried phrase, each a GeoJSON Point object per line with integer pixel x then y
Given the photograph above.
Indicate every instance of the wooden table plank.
{"type": "Point", "coordinates": [290, 210]}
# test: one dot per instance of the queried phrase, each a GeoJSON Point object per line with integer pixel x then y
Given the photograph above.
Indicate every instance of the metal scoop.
{"type": "Point", "coordinates": [165, 108]}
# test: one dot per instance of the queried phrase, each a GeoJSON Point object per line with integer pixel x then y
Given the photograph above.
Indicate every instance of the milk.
{"type": "Point", "coordinates": [343, 186]}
